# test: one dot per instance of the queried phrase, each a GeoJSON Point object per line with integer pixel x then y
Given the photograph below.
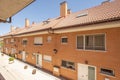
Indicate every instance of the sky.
{"type": "Point", "coordinates": [41, 10]}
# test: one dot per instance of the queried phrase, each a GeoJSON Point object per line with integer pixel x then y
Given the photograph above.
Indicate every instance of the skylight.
{"type": "Point", "coordinates": [46, 22]}
{"type": "Point", "coordinates": [82, 14]}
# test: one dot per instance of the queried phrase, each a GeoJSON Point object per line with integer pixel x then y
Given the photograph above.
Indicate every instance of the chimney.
{"type": "Point", "coordinates": [63, 9]}
{"type": "Point", "coordinates": [33, 23]}
{"type": "Point", "coordinates": [68, 11]}
{"type": "Point", "coordinates": [27, 22]}
{"type": "Point", "coordinates": [12, 28]}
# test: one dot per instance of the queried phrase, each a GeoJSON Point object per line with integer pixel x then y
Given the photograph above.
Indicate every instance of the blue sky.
{"type": "Point", "coordinates": [41, 10]}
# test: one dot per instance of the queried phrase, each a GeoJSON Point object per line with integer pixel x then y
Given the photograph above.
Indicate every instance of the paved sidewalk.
{"type": "Point", "coordinates": [16, 71]}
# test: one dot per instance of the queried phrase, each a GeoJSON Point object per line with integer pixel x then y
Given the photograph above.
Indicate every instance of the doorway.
{"type": "Point", "coordinates": [23, 56]}
{"type": "Point", "coordinates": [39, 60]}
{"type": "Point", "coordinates": [86, 72]}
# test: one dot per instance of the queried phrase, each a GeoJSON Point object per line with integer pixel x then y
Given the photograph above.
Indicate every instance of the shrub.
{"type": "Point", "coordinates": [11, 59]}
{"type": "Point", "coordinates": [12, 55]}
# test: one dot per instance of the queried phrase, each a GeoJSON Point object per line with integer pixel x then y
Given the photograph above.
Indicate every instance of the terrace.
{"type": "Point", "coordinates": [16, 71]}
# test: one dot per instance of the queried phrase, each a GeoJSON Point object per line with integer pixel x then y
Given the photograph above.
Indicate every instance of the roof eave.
{"type": "Point", "coordinates": [89, 23]}
{"type": "Point", "coordinates": [32, 31]}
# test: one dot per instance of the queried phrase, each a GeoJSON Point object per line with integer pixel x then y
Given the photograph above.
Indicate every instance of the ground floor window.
{"type": "Point", "coordinates": [47, 58]}
{"type": "Point", "coordinates": [13, 50]}
{"type": "Point", "coordinates": [107, 71]}
{"type": "Point", "coordinates": [68, 64]}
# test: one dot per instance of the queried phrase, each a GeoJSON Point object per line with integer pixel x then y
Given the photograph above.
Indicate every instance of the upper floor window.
{"type": "Point", "coordinates": [49, 39]}
{"type": "Point", "coordinates": [38, 41]}
{"type": "Point", "coordinates": [68, 64]}
{"type": "Point", "coordinates": [80, 42]}
{"type": "Point", "coordinates": [24, 41]}
{"type": "Point", "coordinates": [64, 40]}
{"type": "Point", "coordinates": [91, 42]}
{"type": "Point", "coordinates": [12, 40]}
{"type": "Point", "coordinates": [7, 41]}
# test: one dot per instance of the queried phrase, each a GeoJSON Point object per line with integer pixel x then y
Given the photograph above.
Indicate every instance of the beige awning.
{"type": "Point", "coordinates": [8, 8]}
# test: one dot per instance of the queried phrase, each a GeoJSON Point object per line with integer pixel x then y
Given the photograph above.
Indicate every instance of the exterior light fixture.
{"type": "Point", "coordinates": [86, 62]}
{"type": "Point", "coordinates": [55, 51]}
{"type": "Point", "coordinates": [33, 54]}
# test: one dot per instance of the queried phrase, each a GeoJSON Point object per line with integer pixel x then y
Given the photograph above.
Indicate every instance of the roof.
{"type": "Point", "coordinates": [47, 24]}
{"type": "Point", "coordinates": [9, 8]}
{"type": "Point", "coordinates": [101, 13]}
{"type": "Point", "coordinates": [104, 12]}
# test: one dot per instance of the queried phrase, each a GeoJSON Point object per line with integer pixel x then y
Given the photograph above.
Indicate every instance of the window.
{"type": "Point", "coordinates": [20, 52]}
{"type": "Point", "coordinates": [82, 14]}
{"type": "Point", "coordinates": [24, 41]}
{"type": "Point", "coordinates": [80, 42]}
{"type": "Point", "coordinates": [13, 50]}
{"type": "Point", "coordinates": [7, 41]}
{"type": "Point", "coordinates": [38, 41]}
{"type": "Point", "coordinates": [64, 40]}
{"type": "Point", "coordinates": [49, 39]}
{"type": "Point", "coordinates": [12, 40]}
{"type": "Point", "coordinates": [107, 72]}
{"type": "Point", "coordinates": [68, 64]}
{"type": "Point", "coordinates": [99, 42]}
{"type": "Point", "coordinates": [91, 42]}
{"type": "Point", "coordinates": [47, 58]}
{"type": "Point", "coordinates": [6, 50]}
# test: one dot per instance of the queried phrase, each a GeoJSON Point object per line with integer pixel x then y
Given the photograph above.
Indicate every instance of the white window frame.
{"type": "Point", "coordinates": [64, 37]}
{"type": "Point", "coordinates": [38, 40]}
{"type": "Point", "coordinates": [47, 58]}
{"type": "Point", "coordinates": [84, 41]}
{"type": "Point", "coordinates": [23, 40]}
{"type": "Point", "coordinates": [107, 74]}
{"type": "Point", "coordinates": [49, 38]}
{"type": "Point", "coordinates": [74, 68]}
{"type": "Point", "coordinates": [12, 40]}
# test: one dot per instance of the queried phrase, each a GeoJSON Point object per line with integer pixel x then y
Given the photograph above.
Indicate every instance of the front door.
{"type": "Point", "coordinates": [91, 73]}
{"type": "Point", "coordinates": [6, 50]}
{"type": "Point", "coordinates": [23, 56]}
{"type": "Point", "coordinates": [86, 72]}
{"type": "Point", "coordinates": [39, 60]}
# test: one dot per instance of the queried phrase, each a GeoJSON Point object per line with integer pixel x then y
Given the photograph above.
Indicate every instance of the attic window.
{"type": "Point", "coordinates": [82, 14]}
{"type": "Point", "coordinates": [46, 22]}
{"type": "Point", "coordinates": [106, 1]}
